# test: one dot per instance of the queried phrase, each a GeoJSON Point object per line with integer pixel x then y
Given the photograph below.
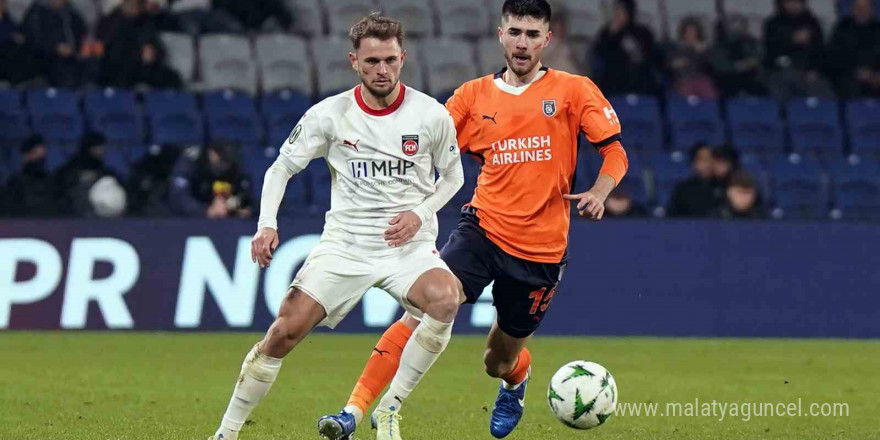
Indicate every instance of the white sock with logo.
{"type": "Point", "coordinates": [258, 372]}
{"type": "Point", "coordinates": [421, 351]}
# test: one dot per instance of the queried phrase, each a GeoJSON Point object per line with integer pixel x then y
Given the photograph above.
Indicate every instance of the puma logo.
{"type": "Point", "coordinates": [352, 145]}
{"type": "Point", "coordinates": [381, 352]}
{"type": "Point", "coordinates": [491, 118]}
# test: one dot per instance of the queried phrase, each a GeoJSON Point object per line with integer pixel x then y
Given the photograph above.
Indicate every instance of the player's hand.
{"type": "Point", "coordinates": [403, 228]}
{"type": "Point", "coordinates": [589, 204]}
{"type": "Point", "coordinates": [264, 243]}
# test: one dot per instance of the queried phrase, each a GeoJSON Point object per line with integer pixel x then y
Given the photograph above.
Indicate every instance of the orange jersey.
{"type": "Point", "coordinates": [527, 141]}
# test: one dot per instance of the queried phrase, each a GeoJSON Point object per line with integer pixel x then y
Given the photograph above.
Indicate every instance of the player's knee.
{"type": "Point", "coordinates": [496, 367]}
{"type": "Point", "coordinates": [442, 300]}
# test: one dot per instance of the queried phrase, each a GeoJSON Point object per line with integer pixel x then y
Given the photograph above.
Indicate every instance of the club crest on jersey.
{"type": "Point", "coordinates": [549, 107]}
{"type": "Point", "coordinates": [410, 144]}
{"type": "Point", "coordinates": [295, 134]}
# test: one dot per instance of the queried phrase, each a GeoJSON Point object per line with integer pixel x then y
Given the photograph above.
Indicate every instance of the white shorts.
{"type": "Point", "coordinates": [337, 276]}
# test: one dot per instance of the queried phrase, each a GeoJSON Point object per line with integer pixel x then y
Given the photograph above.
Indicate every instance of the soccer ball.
{"type": "Point", "coordinates": [582, 394]}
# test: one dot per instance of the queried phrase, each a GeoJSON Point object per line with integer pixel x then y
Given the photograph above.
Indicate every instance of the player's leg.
{"type": "Point", "coordinates": [522, 296]}
{"type": "Point", "coordinates": [299, 313]}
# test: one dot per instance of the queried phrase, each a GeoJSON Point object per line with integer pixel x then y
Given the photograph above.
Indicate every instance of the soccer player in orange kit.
{"type": "Point", "coordinates": [522, 123]}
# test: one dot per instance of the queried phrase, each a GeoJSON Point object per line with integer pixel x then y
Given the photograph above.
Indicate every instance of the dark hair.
{"type": "Point", "coordinates": [694, 22]}
{"type": "Point", "coordinates": [539, 9]}
{"type": "Point", "coordinates": [630, 6]}
{"type": "Point", "coordinates": [375, 26]}
{"type": "Point", "coordinates": [696, 149]}
{"type": "Point", "coordinates": [32, 142]}
{"type": "Point", "coordinates": [92, 139]}
{"type": "Point", "coordinates": [742, 180]}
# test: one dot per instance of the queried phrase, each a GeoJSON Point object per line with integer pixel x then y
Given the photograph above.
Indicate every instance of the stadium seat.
{"type": "Point", "coordinates": [863, 122]}
{"type": "Point", "coordinates": [755, 125]}
{"type": "Point", "coordinates": [668, 169]}
{"type": "Point", "coordinates": [14, 127]}
{"type": "Point", "coordinates": [318, 175]}
{"type": "Point", "coordinates": [755, 12]}
{"type": "Point", "coordinates": [332, 66]}
{"type": "Point", "coordinates": [490, 55]}
{"type": "Point", "coordinates": [450, 63]}
{"type": "Point", "coordinates": [118, 161]}
{"type": "Point", "coordinates": [17, 8]}
{"type": "Point", "coordinates": [413, 72]}
{"type": "Point", "coordinates": [227, 63]}
{"type": "Point", "coordinates": [856, 185]}
{"type": "Point", "coordinates": [115, 113]}
{"type": "Point", "coordinates": [232, 117]}
{"type": "Point", "coordinates": [462, 18]}
{"type": "Point", "coordinates": [284, 63]}
{"type": "Point", "coordinates": [824, 10]}
{"type": "Point", "coordinates": [677, 10]}
{"type": "Point", "coordinates": [799, 189]}
{"type": "Point", "coordinates": [694, 120]}
{"type": "Point", "coordinates": [57, 156]}
{"type": "Point", "coordinates": [55, 114]}
{"type": "Point", "coordinates": [814, 127]}
{"type": "Point", "coordinates": [181, 54]}
{"type": "Point", "coordinates": [174, 118]}
{"type": "Point", "coordinates": [471, 167]}
{"type": "Point", "coordinates": [416, 15]}
{"type": "Point", "coordinates": [281, 111]}
{"type": "Point", "coordinates": [255, 161]}
{"type": "Point", "coordinates": [634, 183]}
{"type": "Point", "coordinates": [584, 18]}
{"type": "Point", "coordinates": [309, 19]}
{"type": "Point", "coordinates": [88, 10]}
{"type": "Point", "coordinates": [344, 13]}
{"type": "Point", "coordinates": [756, 168]}
{"type": "Point", "coordinates": [641, 122]}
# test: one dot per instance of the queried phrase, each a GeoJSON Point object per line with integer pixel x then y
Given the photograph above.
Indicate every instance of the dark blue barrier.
{"type": "Point", "coordinates": [669, 278]}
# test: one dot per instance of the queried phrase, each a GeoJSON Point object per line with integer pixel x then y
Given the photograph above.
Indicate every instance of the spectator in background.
{"type": "Point", "coordinates": [31, 192]}
{"type": "Point", "coordinates": [149, 181]}
{"type": "Point", "coordinates": [134, 53]}
{"type": "Point", "coordinates": [701, 194]}
{"type": "Point", "coordinates": [689, 62]}
{"type": "Point", "coordinates": [620, 204]}
{"type": "Point", "coordinates": [87, 187]}
{"type": "Point", "coordinates": [625, 54]}
{"type": "Point", "coordinates": [208, 183]}
{"type": "Point", "coordinates": [270, 15]}
{"type": "Point", "coordinates": [17, 63]}
{"type": "Point", "coordinates": [725, 162]}
{"type": "Point", "coordinates": [56, 30]}
{"type": "Point", "coordinates": [196, 17]}
{"type": "Point", "coordinates": [559, 54]}
{"type": "Point", "coordinates": [742, 200]}
{"type": "Point", "coordinates": [736, 59]}
{"type": "Point", "coordinates": [794, 49]}
{"type": "Point", "coordinates": [854, 52]}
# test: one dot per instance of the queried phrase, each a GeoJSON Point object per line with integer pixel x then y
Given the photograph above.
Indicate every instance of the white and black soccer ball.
{"type": "Point", "coordinates": [582, 394]}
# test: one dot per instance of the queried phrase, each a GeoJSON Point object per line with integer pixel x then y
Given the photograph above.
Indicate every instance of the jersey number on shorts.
{"type": "Point", "coordinates": [540, 300]}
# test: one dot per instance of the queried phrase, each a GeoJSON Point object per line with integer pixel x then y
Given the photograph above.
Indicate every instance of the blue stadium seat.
{"type": "Point", "coordinates": [281, 111]}
{"type": "Point", "coordinates": [692, 120]}
{"type": "Point", "coordinates": [634, 183]}
{"type": "Point", "coordinates": [318, 173]}
{"type": "Point", "coordinates": [232, 117]}
{"type": "Point", "coordinates": [640, 121]}
{"type": "Point", "coordinates": [57, 156]}
{"type": "Point", "coordinates": [174, 118]}
{"type": "Point", "coordinates": [117, 160]}
{"type": "Point", "coordinates": [255, 161]}
{"type": "Point", "coordinates": [471, 167]}
{"type": "Point", "coordinates": [755, 125]}
{"type": "Point", "coordinates": [55, 114]}
{"type": "Point", "coordinates": [14, 127]}
{"type": "Point", "coordinates": [814, 127]}
{"type": "Point", "coordinates": [799, 188]}
{"type": "Point", "coordinates": [669, 169]}
{"type": "Point", "coordinates": [856, 185]}
{"type": "Point", "coordinates": [863, 122]}
{"type": "Point", "coordinates": [756, 167]}
{"type": "Point", "coordinates": [115, 113]}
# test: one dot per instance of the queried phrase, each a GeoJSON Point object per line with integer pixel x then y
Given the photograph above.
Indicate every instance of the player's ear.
{"type": "Point", "coordinates": [353, 58]}
{"type": "Point", "coordinates": [500, 33]}
{"type": "Point", "coordinates": [402, 56]}
{"type": "Point", "coordinates": [548, 38]}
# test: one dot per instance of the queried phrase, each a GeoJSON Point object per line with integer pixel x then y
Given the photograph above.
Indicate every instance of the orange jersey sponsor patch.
{"type": "Point", "coordinates": [527, 141]}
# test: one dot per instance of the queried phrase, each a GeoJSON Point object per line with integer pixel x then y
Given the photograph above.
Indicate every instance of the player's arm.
{"type": "Point", "coordinates": [458, 105]}
{"type": "Point", "coordinates": [601, 126]}
{"type": "Point", "coordinates": [306, 141]}
{"type": "Point", "coordinates": [447, 161]}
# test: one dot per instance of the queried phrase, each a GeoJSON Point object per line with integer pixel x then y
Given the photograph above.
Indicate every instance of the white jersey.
{"type": "Point", "coordinates": [381, 162]}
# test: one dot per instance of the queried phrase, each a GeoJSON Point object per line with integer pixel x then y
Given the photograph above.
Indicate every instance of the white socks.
{"type": "Point", "coordinates": [423, 348]}
{"type": "Point", "coordinates": [258, 372]}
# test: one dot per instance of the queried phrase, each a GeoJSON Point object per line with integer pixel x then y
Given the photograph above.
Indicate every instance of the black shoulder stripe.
{"type": "Point", "coordinates": [609, 141]}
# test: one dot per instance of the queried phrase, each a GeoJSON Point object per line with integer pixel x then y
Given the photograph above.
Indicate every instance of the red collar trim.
{"type": "Point", "coordinates": [383, 112]}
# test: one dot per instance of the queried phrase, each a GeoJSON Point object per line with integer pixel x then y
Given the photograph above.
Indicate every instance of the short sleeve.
{"type": "Point", "coordinates": [445, 146]}
{"type": "Point", "coordinates": [598, 120]}
{"type": "Point", "coordinates": [459, 105]}
{"type": "Point", "coordinates": [307, 141]}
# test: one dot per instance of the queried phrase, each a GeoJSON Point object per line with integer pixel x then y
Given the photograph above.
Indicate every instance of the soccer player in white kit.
{"type": "Point", "coordinates": [383, 142]}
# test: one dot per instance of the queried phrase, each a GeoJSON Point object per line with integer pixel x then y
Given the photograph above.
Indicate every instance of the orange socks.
{"type": "Point", "coordinates": [381, 367]}
{"type": "Point", "coordinates": [521, 370]}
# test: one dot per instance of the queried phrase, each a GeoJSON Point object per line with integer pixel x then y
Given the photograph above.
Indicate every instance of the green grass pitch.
{"type": "Point", "coordinates": [102, 386]}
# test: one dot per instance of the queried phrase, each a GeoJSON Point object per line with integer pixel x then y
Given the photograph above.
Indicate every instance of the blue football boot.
{"type": "Point", "coordinates": [508, 410]}
{"type": "Point", "coordinates": [337, 427]}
